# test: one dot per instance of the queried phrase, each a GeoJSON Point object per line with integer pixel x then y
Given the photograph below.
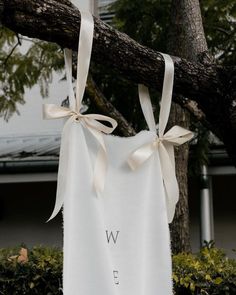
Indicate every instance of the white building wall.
{"type": "Point", "coordinates": [30, 119]}
{"type": "Point", "coordinates": [85, 4]}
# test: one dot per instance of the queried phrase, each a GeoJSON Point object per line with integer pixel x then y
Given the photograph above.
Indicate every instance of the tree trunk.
{"type": "Point", "coordinates": [180, 234]}
{"type": "Point", "coordinates": [187, 40]}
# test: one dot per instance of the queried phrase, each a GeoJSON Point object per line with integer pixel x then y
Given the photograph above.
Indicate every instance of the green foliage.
{"type": "Point", "coordinates": [39, 271]}
{"type": "Point", "coordinates": [36, 272]}
{"type": "Point", "coordinates": [219, 18]}
{"type": "Point", "coordinates": [209, 272]}
{"type": "Point", "coordinates": [147, 21]}
{"type": "Point", "coordinates": [144, 20]}
{"type": "Point", "coordinates": [20, 70]}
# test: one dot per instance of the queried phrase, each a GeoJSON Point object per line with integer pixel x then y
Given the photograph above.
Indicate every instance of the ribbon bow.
{"type": "Point", "coordinates": [91, 121]}
{"type": "Point", "coordinates": [165, 142]}
{"type": "Point", "coordinates": [165, 147]}
{"type": "Point", "coordinates": [93, 124]}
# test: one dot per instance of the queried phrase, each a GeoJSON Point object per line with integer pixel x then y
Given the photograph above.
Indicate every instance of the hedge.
{"type": "Point", "coordinates": [39, 271]}
{"type": "Point", "coordinates": [208, 272]}
{"type": "Point", "coordinates": [31, 272]}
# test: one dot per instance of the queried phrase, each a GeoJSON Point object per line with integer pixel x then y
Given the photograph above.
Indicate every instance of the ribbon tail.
{"type": "Point", "coordinates": [62, 170]}
{"type": "Point", "coordinates": [101, 164]}
{"type": "Point", "coordinates": [100, 170]}
{"type": "Point", "coordinates": [171, 152]}
{"type": "Point", "coordinates": [169, 179]}
{"type": "Point", "coordinates": [139, 156]}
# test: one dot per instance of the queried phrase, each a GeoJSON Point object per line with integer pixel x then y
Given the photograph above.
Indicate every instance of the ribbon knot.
{"type": "Point", "coordinates": [77, 116]}
{"type": "Point", "coordinates": [157, 141]}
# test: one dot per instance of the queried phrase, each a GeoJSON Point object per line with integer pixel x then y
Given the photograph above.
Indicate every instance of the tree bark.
{"type": "Point", "coordinates": [212, 87]}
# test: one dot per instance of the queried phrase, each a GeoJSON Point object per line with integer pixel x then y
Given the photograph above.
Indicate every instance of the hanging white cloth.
{"type": "Point", "coordinates": [116, 235]}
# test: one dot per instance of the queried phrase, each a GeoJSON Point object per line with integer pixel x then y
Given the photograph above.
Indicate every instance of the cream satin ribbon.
{"type": "Point", "coordinates": [165, 142]}
{"type": "Point", "coordinates": [91, 121]}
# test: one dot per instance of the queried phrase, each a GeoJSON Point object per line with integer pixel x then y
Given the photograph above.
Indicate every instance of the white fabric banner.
{"type": "Point", "coordinates": [118, 243]}
{"type": "Point", "coordinates": [116, 235]}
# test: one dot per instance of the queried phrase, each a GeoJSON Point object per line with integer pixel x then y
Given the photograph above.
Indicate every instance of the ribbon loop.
{"type": "Point", "coordinates": [93, 122]}
{"type": "Point", "coordinates": [84, 54]}
{"type": "Point", "coordinates": [177, 135]}
{"type": "Point", "coordinates": [52, 111]}
{"type": "Point", "coordinates": [165, 142]}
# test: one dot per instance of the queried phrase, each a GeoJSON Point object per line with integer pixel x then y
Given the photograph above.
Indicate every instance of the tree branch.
{"type": "Point", "coordinates": [193, 108]}
{"type": "Point", "coordinates": [134, 61]}
{"type": "Point", "coordinates": [106, 107]}
{"type": "Point", "coordinates": [12, 50]}
{"type": "Point", "coordinates": [59, 21]}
